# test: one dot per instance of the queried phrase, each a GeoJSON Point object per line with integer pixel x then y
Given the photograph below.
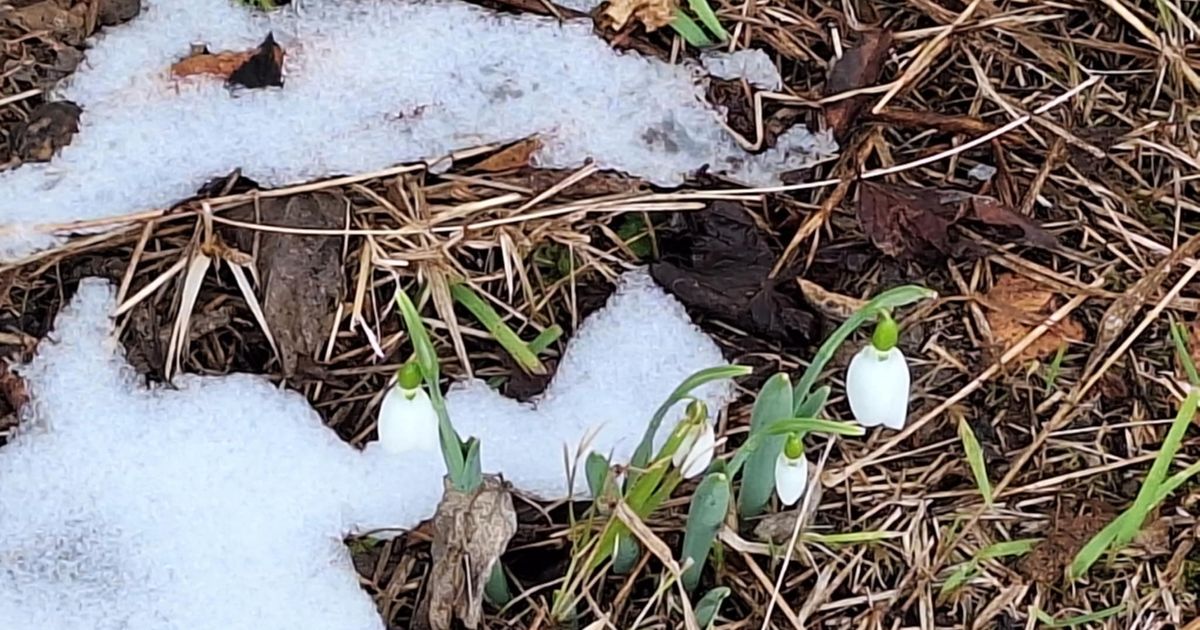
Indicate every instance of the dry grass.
{"type": "Point", "coordinates": [1110, 167]}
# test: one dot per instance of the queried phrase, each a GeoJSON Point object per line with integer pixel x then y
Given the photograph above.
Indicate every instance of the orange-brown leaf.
{"type": "Point", "coordinates": [513, 156]}
{"type": "Point", "coordinates": [220, 64]}
{"type": "Point", "coordinates": [652, 14]}
{"type": "Point", "coordinates": [1016, 306]}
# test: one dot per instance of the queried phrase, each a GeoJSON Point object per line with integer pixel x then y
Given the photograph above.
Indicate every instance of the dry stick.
{"type": "Point", "coordinates": [17, 98]}
{"type": "Point", "coordinates": [925, 57]}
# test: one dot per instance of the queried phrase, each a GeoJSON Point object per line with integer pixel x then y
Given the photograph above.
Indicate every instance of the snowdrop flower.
{"type": "Point", "coordinates": [695, 451]}
{"type": "Point", "coordinates": [877, 380]}
{"type": "Point", "coordinates": [407, 419]}
{"type": "Point", "coordinates": [791, 471]}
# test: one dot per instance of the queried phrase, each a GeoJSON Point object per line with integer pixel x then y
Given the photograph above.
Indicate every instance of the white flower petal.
{"type": "Point", "coordinates": [407, 424]}
{"type": "Point", "coordinates": [877, 386]}
{"type": "Point", "coordinates": [791, 478]}
{"type": "Point", "coordinates": [700, 455]}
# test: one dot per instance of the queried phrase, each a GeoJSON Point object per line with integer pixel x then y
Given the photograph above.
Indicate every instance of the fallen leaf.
{"type": "Point", "coordinates": [511, 157]}
{"type": "Point", "coordinates": [13, 394]}
{"type": "Point", "coordinates": [256, 68]}
{"type": "Point", "coordinates": [263, 69]}
{"type": "Point", "coordinates": [1047, 561]}
{"type": "Point", "coordinates": [471, 532]}
{"type": "Point", "coordinates": [652, 14]}
{"type": "Point", "coordinates": [828, 303]}
{"type": "Point", "coordinates": [719, 264]}
{"type": "Point", "coordinates": [858, 67]}
{"type": "Point", "coordinates": [1017, 305]}
{"type": "Point", "coordinates": [53, 16]}
{"type": "Point", "coordinates": [301, 274]}
{"type": "Point", "coordinates": [906, 222]}
{"type": "Point", "coordinates": [50, 127]}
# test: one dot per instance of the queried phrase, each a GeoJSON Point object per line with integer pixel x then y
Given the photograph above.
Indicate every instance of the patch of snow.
{"type": "Point", "coordinates": [583, 6]}
{"type": "Point", "coordinates": [752, 65]}
{"type": "Point", "coordinates": [220, 504]}
{"type": "Point", "coordinates": [368, 84]}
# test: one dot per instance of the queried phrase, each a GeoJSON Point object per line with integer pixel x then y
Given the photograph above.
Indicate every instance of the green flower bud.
{"type": "Point", "coordinates": [887, 332]}
{"type": "Point", "coordinates": [409, 376]}
{"type": "Point", "coordinates": [794, 448]}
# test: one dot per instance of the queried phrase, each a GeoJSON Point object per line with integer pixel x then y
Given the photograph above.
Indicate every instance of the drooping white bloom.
{"type": "Point", "coordinates": [877, 386]}
{"type": "Point", "coordinates": [791, 477]}
{"type": "Point", "coordinates": [407, 420]}
{"type": "Point", "coordinates": [695, 452]}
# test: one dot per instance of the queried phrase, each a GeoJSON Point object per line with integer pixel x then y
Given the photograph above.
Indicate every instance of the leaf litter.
{"type": "Point", "coordinates": [859, 67]}
{"type": "Point", "coordinates": [720, 265]}
{"type": "Point", "coordinates": [908, 223]}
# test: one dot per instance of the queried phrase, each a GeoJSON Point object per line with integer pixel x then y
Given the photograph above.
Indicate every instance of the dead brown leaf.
{"type": "Point", "coordinates": [1048, 560]}
{"type": "Point", "coordinates": [472, 531]}
{"type": "Point", "coordinates": [511, 157]}
{"type": "Point", "coordinates": [858, 67]}
{"type": "Point", "coordinates": [828, 303]}
{"type": "Point", "coordinates": [718, 262]}
{"type": "Point", "coordinates": [906, 222]}
{"type": "Point", "coordinates": [261, 67]}
{"type": "Point", "coordinates": [302, 275]}
{"type": "Point", "coordinates": [55, 16]}
{"type": "Point", "coordinates": [12, 389]}
{"type": "Point", "coordinates": [652, 14]}
{"type": "Point", "coordinates": [1017, 305]}
{"type": "Point", "coordinates": [50, 127]}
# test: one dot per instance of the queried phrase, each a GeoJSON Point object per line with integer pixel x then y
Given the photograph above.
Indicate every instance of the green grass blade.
{"type": "Point", "coordinates": [1078, 620]}
{"type": "Point", "coordinates": [709, 606]}
{"type": "Point", "coordinates": [1006, 548]}
{"type": "Point", "coordinates": [890, 299]}
{"type": "Point", "coordinates": [849, 538]}
{"type": "Point", "coordinates": [960, 576]}
{"type": "Point", "coordinates": [708, 17]}
{"type": "Point", "coordinates": [706, 514]}
{"type": "Point", "coordinates": [545, 338]}
{"type": "Point", "coordinates": [975, 460]}
{"type": "Point", "coordinates": [641, 456]}
{"type": "Point", "coordinates": [774, 402]}
{"type": "Point", "coordinates": [495, 325]}
{"type": "Point", "coordinates": [1146, 499]}
{"type": "Point", "coordinates": [1185, 356]}
{"type": "Point", "coordinates": [690, 31]}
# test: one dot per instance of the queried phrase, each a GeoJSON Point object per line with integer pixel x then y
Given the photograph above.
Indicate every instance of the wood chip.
{"type": "Point", "coordinates": [652, 14]}
{"type": "Point", "coordinates": [511, 157]}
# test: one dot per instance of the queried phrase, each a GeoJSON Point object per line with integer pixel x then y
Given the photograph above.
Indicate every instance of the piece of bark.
{"type": "Point", "coordinates": [301, 274]}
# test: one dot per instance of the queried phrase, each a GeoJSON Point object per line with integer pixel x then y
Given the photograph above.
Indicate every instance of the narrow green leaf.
{"type": "Point", "coordinates": [1055, 367]}
{"type": "Point", "coordinates": [496, 588]}
{"type": "Point", "coordinates": [814, 425]}
{"type": "Point", "coordinates": [960, 576]}
{"type": "Point", "coordinates": [709, 606]}
{"type": "Point", "coordinates": [452, 445]}
{"type": "Point", "coordinates": [596, 469]}
{"type": "Point", "coordinates": [1178, 335]}
{"type": "Point", "coordinates": [1077, 620]}
{"type": "Point", "coordinates": [705, 516]}
{"type": "Point", "coordinates": [849, 538]}
{"type": "Point", "coordinates": [814, 405]}
{"type": "Point", "coordinates": [545, 338]}
{"type": "Point", "coordinates": [628, 552]}
{"type": "Point", "coordinates": [890, 299]}
{"type": "Point", "coordinates": [500, 330]}
{"type": "Point", "coordinates": [709, 18]}
{"type": "Point", "coordinates": [472, 465]}
{"type": "Point", "coordinates": [1145, 500]}
{"type": "Point", "coordinates": [1006, 548]}
{"type": "Point", "coordinates": [641, 457]}
{"type": "Point", "coordinates": [975, 460]}
{"type": "Point", "coordinates": [774, 402]}
{"type": "Point", "coordinates": [690, 31]}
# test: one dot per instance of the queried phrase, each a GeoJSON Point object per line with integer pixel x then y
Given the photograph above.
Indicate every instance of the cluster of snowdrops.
{"type": "Point", "coordinates": [771, 461]}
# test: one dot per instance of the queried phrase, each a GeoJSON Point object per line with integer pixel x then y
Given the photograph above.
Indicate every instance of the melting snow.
{"type": "Point", "coordinates": [221, 504]}
{"type": "Point", "coordinates": [368, 84]}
